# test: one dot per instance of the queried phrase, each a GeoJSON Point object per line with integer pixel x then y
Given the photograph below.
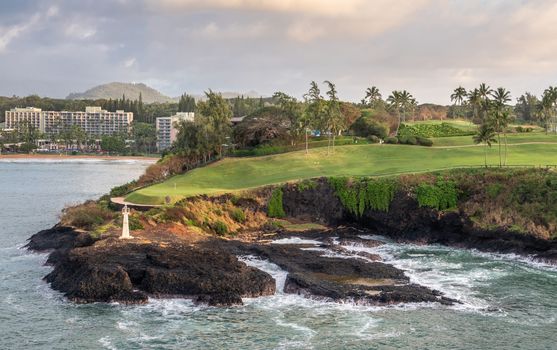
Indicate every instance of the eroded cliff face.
{"type": "Point", "coordinates": [406, 221]}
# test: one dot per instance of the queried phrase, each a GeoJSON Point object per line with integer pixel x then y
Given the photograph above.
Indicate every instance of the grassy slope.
{"type": "Point", "coordinates": [242, 173]}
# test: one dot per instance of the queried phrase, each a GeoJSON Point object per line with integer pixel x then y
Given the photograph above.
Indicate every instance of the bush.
{"type": "Point", "coordinates": [238, 215]}
{"type": "Point", "coordinates": [373, 139]}
{"type": "Point", "coordinates": [86, 215]}
{"type": "Point", "coordinates": [120, 191]}
{"type": "Point", "coordinates": [275, 208]}
{"type": "Point", "coordinates": [407, 140]}
{"type": "Point", "coordinates": [392, 140]}
{"type": "Point", "coordinates": [441, 195]}
{"type": "Point", "coordinates": [366, 126]}
{"type": "Point", "coordinates": [422, 141]}
{"type": "Point", "coordinates": [219, 228]}
{"type": "Point", "coordinates": [135, 223]}
{"type": "Point", "coordinates": [361, 195]}
{"type": "Point", "coordinates": [433, 130]}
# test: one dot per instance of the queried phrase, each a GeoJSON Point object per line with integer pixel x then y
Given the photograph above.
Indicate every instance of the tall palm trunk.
{"type": "Point", "coordinates": [307, 148]}
{"type": "Point", "coordinates": [334, 136]}
{"type": "Point", "coordinates": [505, 136]}
{"type": "Point", "coordinates": [485, 155]}
{"type": "Point", "coordinates": [398, 125]}
{"type": "Point", "coordinates": [499, 142]}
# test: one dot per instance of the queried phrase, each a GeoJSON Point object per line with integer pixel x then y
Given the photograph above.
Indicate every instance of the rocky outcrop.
{"type": "Point", "coordinates": [122, 271]}
{"type": "Point", "coordinates": [407, 222]}
{"type": "Point", "coordinates": [343, 278]}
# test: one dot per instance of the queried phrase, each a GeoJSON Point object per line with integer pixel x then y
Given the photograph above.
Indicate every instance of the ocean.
{"type": "Point", "coordinates": [508, 302]}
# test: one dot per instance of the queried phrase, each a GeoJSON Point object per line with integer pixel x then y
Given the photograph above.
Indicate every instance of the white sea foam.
{"type": "Point", "coordinates": [272, 269]}
{"type": "Point", "coordinates": [296, 240]}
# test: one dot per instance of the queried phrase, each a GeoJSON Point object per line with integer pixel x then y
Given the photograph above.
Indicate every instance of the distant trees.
{"type": "Point", "coordinates": [373, 98]}
{"type": "Point", "coordinates": [401, 103]}
{"type": "Point", "coordinates": [144, 136]}
{"type": "Point", "coordinates": [209, 133]}
{"type": "Point", "coordinates": [186, 103]}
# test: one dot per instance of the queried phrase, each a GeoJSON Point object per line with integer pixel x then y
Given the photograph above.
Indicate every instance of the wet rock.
{"type": "Point", "coordinates": [128, 272]}
{"type": "Point", "coordinates": [344, 279]}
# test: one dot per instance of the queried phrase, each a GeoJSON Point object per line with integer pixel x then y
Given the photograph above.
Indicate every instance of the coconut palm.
{"type": "Point", "coordinates": [475, 101]}
{"type": "Point", "coordinates": [485, 93]}
{"type": "Point", "coordinates": [401, 102]}
{"type": "Point", "coordinates": [335, 122]}
{"type": "Point", "coordinates": [501, 97]}
{"type": "Point", "coordinates": [485, 135]}
{"type": "Point", "coordinates": [458, 97]}
{"type": "Point", "coordinates": [372, 96]}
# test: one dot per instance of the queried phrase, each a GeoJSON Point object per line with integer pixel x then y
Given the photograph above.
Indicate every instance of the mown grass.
{"type": "Point", "coordinates": [232, 174]}
{"type": "Point", "coordinates": [513, 139]}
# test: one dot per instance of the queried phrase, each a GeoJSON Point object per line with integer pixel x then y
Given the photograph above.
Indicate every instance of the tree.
{"type": "Point", "coordinates": [314, 111]}
{"type": "Point", "coordinates": [484, 92]}
{"type": "Point", "coordinates": [527, 107]}
{"type": "Point", "coordinates": [475, 102]}
{"type": "Point", "coordinates": [144, 136]}
{"type": "Point", "coordinates": [501, 97]}
{"type": "Point", "coordinates": [548, 106]}
{"type": "Point", "coordinates": [401, 102]}
{"type": "Point", "coordinates": [373, 97]}
{"type": "Point", "coordinates": [458, 97]}
{"type": "Point", "coordinates": [218, 114]}
{"type": "Point", "coordinates": [79, 135]}
{"type": "Point", "coordinates": [485, 135]}
{"type": "Point", "coordinates": [113, 143]}
{"type": "Point", "coordinates": [335, 122]}
{"type": "Point", "coordinates": [293, 111]}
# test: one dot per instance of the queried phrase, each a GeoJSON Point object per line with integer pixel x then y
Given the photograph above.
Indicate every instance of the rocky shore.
{"type": "Point", "coordinates": [209, 271]}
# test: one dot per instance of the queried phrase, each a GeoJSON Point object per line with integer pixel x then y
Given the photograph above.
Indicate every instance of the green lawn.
{"type": "Point", "coordinates": [457, 123]}
{"type": "Point", "coordinates": [357, 160]}
{"type": "Point", "coordinates": [512, 139]}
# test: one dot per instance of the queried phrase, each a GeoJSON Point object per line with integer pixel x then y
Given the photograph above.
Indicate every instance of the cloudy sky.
{"type": "Point", "coordinates": [428, 47]}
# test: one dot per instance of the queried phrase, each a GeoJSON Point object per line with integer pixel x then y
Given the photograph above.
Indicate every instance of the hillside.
{"type": "Point", "coordinates": [231, 174]}
{"type": "Point", "coordinates": [116, 90]}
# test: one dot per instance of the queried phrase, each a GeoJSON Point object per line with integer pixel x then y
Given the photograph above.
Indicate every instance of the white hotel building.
{"type": "Point", "coordinates": [167, 128]}
{"type": "Point", "coordinates": [94, 121]}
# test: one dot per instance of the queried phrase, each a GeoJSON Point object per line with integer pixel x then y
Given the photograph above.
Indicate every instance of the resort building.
{"type": "Point", "coordinates": [167, 128]}
{"type": "Point", "coordinates": [95, 121]}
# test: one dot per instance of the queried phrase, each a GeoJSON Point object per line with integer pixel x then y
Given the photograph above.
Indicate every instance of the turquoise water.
{"type": "Point", "coordinates": [508, 302]}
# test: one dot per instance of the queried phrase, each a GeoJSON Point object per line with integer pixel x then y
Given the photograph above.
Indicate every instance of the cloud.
{"type": "Point", "coordinates": [130, 62]}
{"type": "Point", "coordinates": [8, 34]}
{"type": "Point", "coordinates": [79, 31]}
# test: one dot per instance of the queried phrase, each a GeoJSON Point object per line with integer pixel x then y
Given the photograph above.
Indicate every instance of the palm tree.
{"type": "Point", "coordinates": [484, 92]}
{"type": "Point", "coordinates": [401, 102]}
{"type": "Point", "coordinates": [373, 96]}
{"type": "Point", "coordinates": [475, 101]}
{"type": "Point", "coordinates": [485, 135]}
{"type": "Point", "coordinates": [501, 97]}
{"type": "Point", "coordinates": [459, 96]}
{"type": "Point", "coordinates": [334, 116]}
{"type": "Point", "coordinates": [549, 102]}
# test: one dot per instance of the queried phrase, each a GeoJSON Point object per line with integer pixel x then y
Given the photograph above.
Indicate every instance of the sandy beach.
{"type": "Point", "coordinates": [73, 157]}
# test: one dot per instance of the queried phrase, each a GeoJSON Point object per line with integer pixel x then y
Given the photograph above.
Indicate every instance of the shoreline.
{"type": "Point", "coordinates": [69, 156]}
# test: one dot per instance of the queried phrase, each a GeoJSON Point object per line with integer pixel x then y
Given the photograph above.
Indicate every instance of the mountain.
{"type": "Point", "coordinates": [116, 90]}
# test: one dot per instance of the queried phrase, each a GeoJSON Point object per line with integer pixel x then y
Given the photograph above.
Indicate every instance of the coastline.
{"type": "Point", "coordinates": [71, 157]}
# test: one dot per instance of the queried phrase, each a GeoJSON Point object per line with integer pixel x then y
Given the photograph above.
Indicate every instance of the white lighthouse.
{"type": "Point", "coordinates": [125, 223]}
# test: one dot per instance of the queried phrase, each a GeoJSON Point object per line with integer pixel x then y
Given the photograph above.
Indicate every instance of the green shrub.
{"type": "Point", "coordinates": [366, 127]}
{"type": "Point", "coordinates": [432, 130]}
{"type": "Point", "coordinates": [373, 139]}
{"type": "Point", "coordinates": [392, 140]}
{"type": "Point", "coordinates": [219, 228]}
{"type": "Point", "coordinates": [275, 208]}
{"type": "Point", "coordinates": [120, 191]}
{"type": "Point", "coordinates": [86, 216]}
{"type": "Point", "coordinates": [493, 190]}
{"type": "Point", "coordinates": [361, 195]}
{"type": "Point", "coordinates": [306, 185]}
{"type": "Point", "coordinates": [422, 141]}
{"type": "Point", "coordinates": [441, 195]}
{"type": "Point", "coordinates": [135, 223]}
{"type": "Point", "coordinates": [407, 140]}
{"type": "Point", "coordinates": [238, 215]}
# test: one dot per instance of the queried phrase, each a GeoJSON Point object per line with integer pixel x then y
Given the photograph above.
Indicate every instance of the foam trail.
{"type": "Point", "coordinates": [272, 269]}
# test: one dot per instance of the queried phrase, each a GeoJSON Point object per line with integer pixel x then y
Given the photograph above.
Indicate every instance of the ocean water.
{"type": "Point", "coordinates": [508, 302]}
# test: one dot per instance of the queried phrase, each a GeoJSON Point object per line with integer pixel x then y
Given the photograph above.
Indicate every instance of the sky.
{"type": "Point", "coordinates": [428, 47]}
